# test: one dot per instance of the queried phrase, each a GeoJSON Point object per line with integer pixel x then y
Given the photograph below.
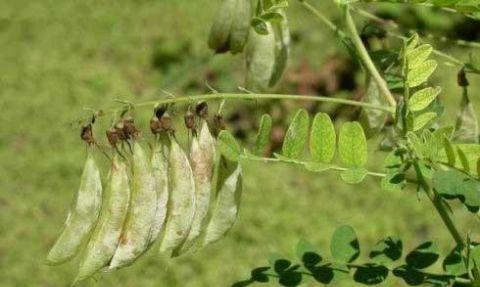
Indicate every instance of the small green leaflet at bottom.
{"type": "Point", "coordinates": [263, 136]}
{"type": "Point", "coordinates": [344, 244]}
{"type": "Point", "coordinates": [352, 145]}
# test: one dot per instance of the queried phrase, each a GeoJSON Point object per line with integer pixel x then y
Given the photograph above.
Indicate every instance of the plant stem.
{"type": "Point", "coordinates": [237, 96]}
{"type": "Point", "coordinates": [323, 18]}
{"type": "Point", "coordinates": [367, 61]}
{"type": "Point", "coordinates": [439, 206]}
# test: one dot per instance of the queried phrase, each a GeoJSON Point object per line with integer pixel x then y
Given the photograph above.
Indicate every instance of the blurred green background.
{"type": "Point", "coordinates": [59, 57]}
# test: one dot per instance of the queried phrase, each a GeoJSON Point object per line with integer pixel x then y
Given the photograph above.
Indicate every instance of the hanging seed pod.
{"type": "Point", "coordinates": [181, 201]}
{"type": "Point", "coordinates": [82, 215]}
{"type": "Point", "coordinates": [105, 237]}
{"type": "Point", "coordinates": [227, 203]}
{"type": "Point", "coordinates": [202, 153]}
{"type": "Point", "coordinates": [220, 32]}
{"type": "Point", "coordinates": [261, 58]}
{"type": "Point", "coordinates": [160, 175]}
{"type": "Point", "coordinates": [240, 26]}
{"type": "Point", "coordinates": [282, 47]}
{"type": "Point", "coordinates": [135, 236]}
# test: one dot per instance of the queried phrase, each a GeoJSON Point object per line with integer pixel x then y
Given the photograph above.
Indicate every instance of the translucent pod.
{"type": "Point", "coordinates": [136, 232]}
{"type": "Point", "coordinates": [282, 47]}
{"type": "Point", "coordinates": [220, 32]}
{"type": "Point", "coordinates": [82, 215]}
{"type": "Point", "coordinates": [103, 242]}
{"type": "Point", "coordinates": [160, 175]}
{"type": "Point", "coordinates": [181, 202]}
{"type": "Point", "coordinates": [261, 57]}
{"type": "Point", "coordinates": [202, 153]}
{"type": "Point", "coordinates": [240, 26]}
{"type": "Point", "coordinates": [227, 202]}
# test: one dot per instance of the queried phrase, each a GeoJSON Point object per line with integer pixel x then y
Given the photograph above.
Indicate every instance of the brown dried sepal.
{"type": "Point", "coordinates": [189, 120]}
{"type": "Point", "coordinates": [202, 110]}
{"type": "Point", "coordinates": [219, 122]}
{"type": "Point", "coordinates": [462, 79]}
{"type": "Point", "coordinates": [87, 134]}
{"type": "Point", "coordinates": [113, 136]}
{"type": "Point", "coordinates": [155, 125]}
{"type": "Point", "coordinates": [166, 123]}
{"type": "Point", "coordinates": [129, 128]}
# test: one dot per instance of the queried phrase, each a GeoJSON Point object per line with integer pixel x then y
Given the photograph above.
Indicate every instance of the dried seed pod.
{"type": "Point", "coordinates": [105, 237]}
{"type": "Point", "coordinates": [261, 58]}
{"type": "Point", "coordinates": [202, 153]}
{"type": "Point", "coordinates": [135, 236]}
{"type": "Point", "coordinates": [220, 32]}
{"type": "Point", "coordinates": [160, 174]}
{"type": "Point", "coordinates": [240, 26]}
{"type": "Point", "coordinates": [181, 201]}
{"type": "Point", "coordinates": [202, 110]}
{"type": "Point", "coordinates": [225, 210]}
{"type": "Point", "coordinates": [112, 136]}
{"type": "Point", "coordinates": [82, 216]}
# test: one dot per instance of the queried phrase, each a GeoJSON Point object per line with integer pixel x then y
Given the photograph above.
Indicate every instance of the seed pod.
{"type": "Point", "coordinates": [261, 57]}
{"type": "Point", "coordinates": [202, 153]}
{"type": "Point", "coordinates": [160, 175]}
{"type": "Point", "coordinates": [220, 32]}
{"type": "Point", "coordinates": [224, 214]}
{"type": "Point", "coordinates": [135, 236]}
{"type": "Point", "coordinates": [82, 216]}
{"type": "Point", "coordinates": [282, 48]}
{"type": "Point", "coordinates": [240, 26]}
{"type": "Point", "coordinates": [106, 234]}
{"type": "Point", "coordinates": [181, 201]}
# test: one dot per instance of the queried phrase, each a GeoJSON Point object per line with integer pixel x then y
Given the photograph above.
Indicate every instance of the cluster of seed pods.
{"type": "Point", "coordinates": [158, 199]}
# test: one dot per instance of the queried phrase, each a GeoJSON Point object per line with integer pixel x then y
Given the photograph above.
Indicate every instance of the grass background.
{"type": "Point", "coordinates": [58, 57]}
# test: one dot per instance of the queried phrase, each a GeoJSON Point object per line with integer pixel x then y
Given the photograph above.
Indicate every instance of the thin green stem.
{"type": "Point", "coordinates": [323, 18]}
{"type": "Point", "coordinates": [367, 61]}
{"type": "Point", "coordinates": [439, 206]}
{"type": "Point", "coordinates": [237, 96]}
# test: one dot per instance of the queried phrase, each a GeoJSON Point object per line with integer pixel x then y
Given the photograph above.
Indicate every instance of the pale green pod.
{"type": "Point", "coordinates": [240, 26]}
{"type": "Point", "coordinates": [82, 216]}
{"type": "Point", "coordinates": [103, 242]}
{"type": "Point", "coordinates": [160, 174]}
{"type": "Point", "coordinates": [181, 201]}
{"type": "Point", "coordinates": [227, 202]}
{"type": "Point", "coordinates": [218, 39]}
{"type": "Point", "coordinates": [261, 58]}
{"type": "Point", "coordinates": [282, 47]}
{"type": "Point", "coordinates": [202, 160]}
{"type": "Point", "coordinates": [136, 232]}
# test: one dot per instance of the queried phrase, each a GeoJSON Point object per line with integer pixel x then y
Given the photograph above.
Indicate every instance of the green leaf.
{"type": "Point", "coordinates": [387, 251]}
{"type": "Point", "coordinates": [423, 98]}
{"type": "Point", "coordinates": [412, 42]}
{"type": "Point", "coordinates": [263, 136]}
{"type": "Point", "coordinates": [370, 274]}
{"type": "Point", "coordinates": [296, 136]}
{"type": "Point", "coordinates": [422, 120]}
{"type": "Point", "coordinates": [344, 244]}
{"type": "Point", "coordinates": [454, 263]}
{"type": "Point", "coordinates": [317, 166]}
{"type": "Point", "coordinates": [352, 145]}
{"type": "Point", "coordinates": [372, 120]}
{"type": "Point", "coordinates": [420, 74]}
{"type": "Point", "coordinates": [423, 256]}
{"type": "Point", "coordinates": [393, 182]}
{"type": "Point", "coordinates": [322, 139]}
{"type": "Point", "coordinates": [307, 253]}
{"type": "Point", "coordinates": [354, 175]}
{"type": "Point", "coordinates": [229, 146]}
{"type": "Point", "coordinates": [449, 151]}
{"type": "Point", "coordinates": [418, 56]}
{"type": "Point", "coordinates": [463, 159]}
{"type": "Point", "coordinates": [455, 184]}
